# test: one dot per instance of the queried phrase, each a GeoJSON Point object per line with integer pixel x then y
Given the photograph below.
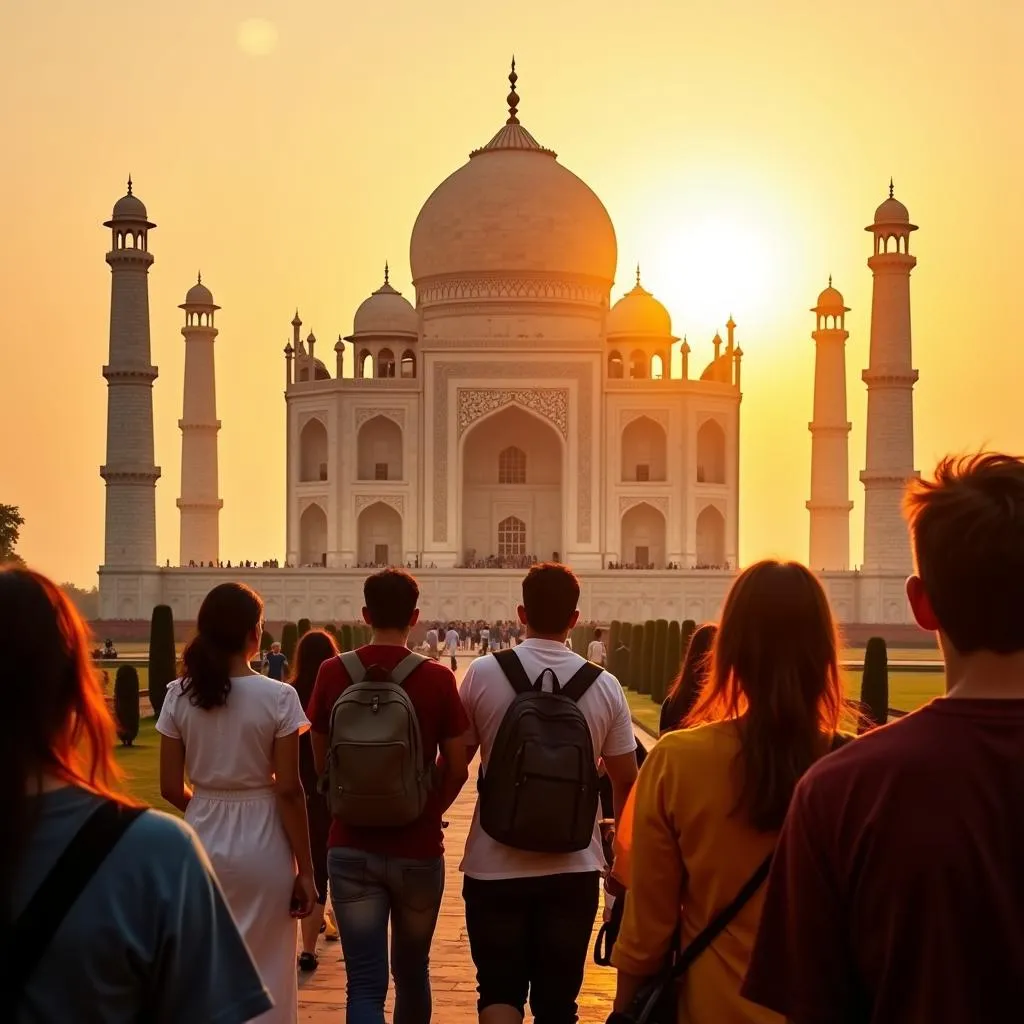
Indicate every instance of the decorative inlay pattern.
{"type": "Point", "coordinates": [496, 286]}
{"type": "Point", "coordinates": [396, 501]}
{"type": "Point", "coordinates": [660, 502]}
{"type": "Point", "coordinates": [551, 403]}
{"type": "Point", "coordinates": [320, 500]}
{"type": "Point", "coordinates": [362, 415]}
{"type": "Point", "coordinates": [660, 416]}
{"type": "Point", "coordinates": [305, 417]}
{"type": "Point", "coordinates": [582, 372]}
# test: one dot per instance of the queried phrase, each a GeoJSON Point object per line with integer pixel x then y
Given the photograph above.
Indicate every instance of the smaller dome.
{"type": "Point", "coordinates": [320, 371]}
{"type": "Point", "coordinates": [638, 314]}
{"type": "Point", "coordinates": [129, 207]}
{"type": "Point", "coordinates": [199, 295]}
{"type": "Point", "coordinates": [831, 301]}
{"type": "Point", "coordinates": [385, 312]}
{"type": "Point", "coordinates": [892, 211]}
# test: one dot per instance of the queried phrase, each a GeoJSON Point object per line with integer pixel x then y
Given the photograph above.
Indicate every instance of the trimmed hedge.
{"type": "Point", "coordinates": [266, 641]}
{"type": "Point", "coordinates": [289, 640]}
{"type": "Point", "coordinates": [163, 657]}
{"type": "Point", "coordinates": [673, 653]}
{"type": "Point", "coordinates": [611, 643]}
{"type": "Point", "coordinates": [345, 639]}
{"type": "Point", "coordinates": [647, 669]}
{"type": "Point", "coordinates": [635, 660]}
{"type": "Point", "coordinates": [304, 626]}
{"type": "Point", "coordinates": [874, 686]}
{"type": "Point", "coordinates": [658, 663]}
{"type": "Point", "coordinates": [126, 704]}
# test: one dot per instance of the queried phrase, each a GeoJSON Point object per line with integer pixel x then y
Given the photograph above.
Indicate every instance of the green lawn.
{"type": "Point", "coordinates": [141, 766]}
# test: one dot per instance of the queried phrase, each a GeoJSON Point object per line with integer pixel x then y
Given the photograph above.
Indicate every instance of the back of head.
{"type": "Point", "coordinates": [774, 666]}
{"type": "Point", "coordinates": [687, 686]}
{"type": "Point", "coordinates": [391, 597]}
{"type": "Point", "coordinates": [312, 650]}
{"type": "Point", "coordinates": [967, 528]}
{"type": "Point", "coordinates": [54, 721]}
{"type": "Point", "coordinates": [551, 593]}
{"type": "Point", "coordinates": [228, 618]}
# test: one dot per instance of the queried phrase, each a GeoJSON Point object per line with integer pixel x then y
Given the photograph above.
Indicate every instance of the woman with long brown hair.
{"type": "Point", "coordinates": [685, 690]}
{"type": "Point", "coordinates": [102, 905]}
{"type": "Point", "coordinates": [237, 735]}
{"type": "Point", "coordinates": [711, 797]}
{"type": "Point", "coordinates": [313, 649]}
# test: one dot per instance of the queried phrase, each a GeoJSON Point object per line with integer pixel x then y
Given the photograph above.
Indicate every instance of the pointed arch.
{"type": "Point", "coordinates": [511, 537]}
{"type": "Point", "coordinates": [364, 363]}
{"type": "Point", "coordinates": [710, 538]}
{"type": "Point", "coordinates": [408, 369]}
{"type": "Point", "coordinates": [313, 536]}
{"type": "Point", "coordinates": [379, 530]}
{"type": "Point", "coordinates": [313, 451]}
{"type": "Point", "coordinates": [711, 453]}
{"type": "Point", "coordinates": [615, 367]}
{"type": "Point", "coordinates": [385, 363]}
{"type": "Point", "coordinates": [380, 453]}
{"type": "Point", "coordinates": [638, 368]}
{"type": "Point", "coordinates": [643, 536]}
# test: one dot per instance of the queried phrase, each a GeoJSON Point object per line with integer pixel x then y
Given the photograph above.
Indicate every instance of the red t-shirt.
{"type": "Point", "coordinates": [435, 698]}
{"type": "Point", "coordinates": [897, 891]}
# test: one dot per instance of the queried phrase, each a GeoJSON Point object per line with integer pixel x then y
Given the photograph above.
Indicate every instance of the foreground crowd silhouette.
{"type": "Point", "coordinates": [765, 866]}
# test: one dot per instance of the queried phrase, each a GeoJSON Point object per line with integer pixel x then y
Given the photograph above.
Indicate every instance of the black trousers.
{"type": "Point", "coordinates": [530, 938]}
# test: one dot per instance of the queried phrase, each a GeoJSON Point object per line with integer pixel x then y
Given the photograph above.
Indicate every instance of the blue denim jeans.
{"type": "Point", "coordinates": [368, 891]}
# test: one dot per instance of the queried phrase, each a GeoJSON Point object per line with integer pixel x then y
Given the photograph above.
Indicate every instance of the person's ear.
{"type": "Point", "coordinates": [415, 618]}
{"type": "Point", "coordinates": [575, 618]}
{"type": "Point", "coordinates": [366, 617]}
{"type": "Point", "coordinates": [921, 605]}
{"type": "Point", "coordinates": [521, 612]}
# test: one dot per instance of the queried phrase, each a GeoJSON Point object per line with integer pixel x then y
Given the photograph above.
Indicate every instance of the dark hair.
{"type": "Point", "coordinates": [775, 668]}
{"type": "Point", "coordinates": [228, 615]}
{"type": "Point", "coordinates": [967, 526]}
{"type": "Point", "coordinates": [391, 597]}
{"type": "Point", "coordinates": [686, 686]}
{"type": "Point", "coordinates": [313, 649]}
{"type": "Point", "coordinates": [598, 633]}
{"type": "Point", "coordinates": [551, 593]}
{"type": "Point", "coordinates": [55, 719]}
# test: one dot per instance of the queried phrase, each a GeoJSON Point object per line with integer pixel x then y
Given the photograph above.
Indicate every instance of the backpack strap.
{"type": "Point", "coordinates": [406, 667]}
{"type": "Point", "coordinates": [33, 931]}
{"type": "Point", "coordinates": [586, 675]}
{"type": "Point", "coordinates": [354, 666]}
{"type": "Point", "coordinates": [509, 663]}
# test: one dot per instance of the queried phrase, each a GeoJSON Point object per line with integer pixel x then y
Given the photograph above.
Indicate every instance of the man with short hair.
{"type": "Point", "coordinates": [393, 874]}
{"type": "Point", "coordinates": [897, 891]}
{"type": "Point", "coordinates": [275, 664]}
{"type": "Point", "coordinates": [432, 642]}
{"type": "Point", "coordinates": [529, 915]}
{"type": "Point", "coordinates": [451, 646]}
{"type": "Point", "coordinates": [595, 650]}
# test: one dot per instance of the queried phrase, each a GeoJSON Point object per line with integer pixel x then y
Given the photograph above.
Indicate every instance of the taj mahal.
{"type": "Point", "coordinates": [507, 410]}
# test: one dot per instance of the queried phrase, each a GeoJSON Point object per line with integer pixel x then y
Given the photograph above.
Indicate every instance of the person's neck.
{"type": "Point", "coordinates": [239, 666]}
{"type": "Point", "coordinates": [985, 675]}
{"type": "Point", "coordinates": [390, 637]}
{"type": "Point", "coordinates": [555, 638]}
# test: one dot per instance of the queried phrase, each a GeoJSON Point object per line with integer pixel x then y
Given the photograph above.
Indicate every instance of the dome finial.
{"type": "Point", "coordinates": [199, 277]}
{"type": "Point", "coordinates": [891, 196]}
{"type": "Point", "coordinates": [638, 275]}
{"type": "Point", "coordinates": [387, 272]}
{"type": "Point", "coordinates": [513, 98]}
{"type": "Point", "coordinates": [129, 183]}
{"type": "Point", "coordinates": [830, 280]}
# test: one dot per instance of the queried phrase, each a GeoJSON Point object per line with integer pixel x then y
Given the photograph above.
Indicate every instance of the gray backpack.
{"type": "Point", "coordinates": [376, 774]}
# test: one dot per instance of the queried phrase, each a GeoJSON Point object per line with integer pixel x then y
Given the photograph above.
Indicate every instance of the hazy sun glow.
{"type": "Point", "coordinates": [257, 37]}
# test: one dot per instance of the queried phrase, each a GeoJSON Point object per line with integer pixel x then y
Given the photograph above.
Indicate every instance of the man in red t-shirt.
{"type": "Point", "coordinates": [396, 875]}
{"type": "Point", "coordinates": [897, 890]}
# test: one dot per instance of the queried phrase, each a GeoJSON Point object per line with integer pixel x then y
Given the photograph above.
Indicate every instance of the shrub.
{"type": "Point", "coordinates": [345, 639]}
{"type": "Point", "coordinates": [267, 640]}
{"type": "Point", "coordinates": [658, 662]}
{"type": "Point", "coordinates": [289, 640]}
{"type": "Point", "coordinates": [635, 659]}
{"type": "Point", "coordinates": [126, 703]}
{"type": "Point", "coordinates": [673, 652]}
{"type": "Point", "coordinates": [304, 626]}
{"type": "Point", "coordinates": [647, 655]}
{"type": "Point", "coordinates": [333, 630]}
{"type": "Point", "coordinates": [874, 684]}
{"type": "Point", "coordinates": [163, 658]}
{"type": "Point", "coordinates": [611, 644]}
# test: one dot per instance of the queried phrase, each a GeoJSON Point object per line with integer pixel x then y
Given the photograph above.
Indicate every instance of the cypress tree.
{"type": "Point", "coordinates": [163, 658]}
{"type": "Point", "coordinates": [874, 684]}
{"type": "Point", "coordinates": [266, 640]}
{"type": "Point", "coordinates": [578, 638]}
{"type": "Point", "coordinates": [332, 629]}
{"type": "Point", "coordinates": [658, 662]}
{"type": "Point", "coordinates": [126, 703]}
{"type": "Point", "coordinates": [345, 639]}
{"type": "Point", "coordinates": [673, 653]}
{"type": "Point", "coordinates": [289, 640]}
{"type": "Point", "coordinates": [647, 665]}
{"type": "Point", "coordinates": [304, 626]}
{"type": "Point", "coordinates": [635, 660]}
{"type": "Point", "coordinates": [611, 643]}
{"type": "Point", "coordinates": [687, 630]}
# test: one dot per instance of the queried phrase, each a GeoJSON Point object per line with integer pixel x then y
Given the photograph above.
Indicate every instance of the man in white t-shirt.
{"type": "Point", "coordinates": [451, 646]}
{"type": "Point", "coordinates": [432, 641]}
{"type": "Point", "coordinates": [529, 916]}
{"type": "Point", "coordinates": [596, 651]}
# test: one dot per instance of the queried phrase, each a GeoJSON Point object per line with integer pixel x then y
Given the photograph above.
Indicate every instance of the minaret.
{"type": "Point", "coordinates": [890, 378]}
{"type": "Point", "coordinates": [199, 503]}
{"type": "Point", "coordinates": [830, 503]}
{"type": "Point", "coordinates": [129, 472]}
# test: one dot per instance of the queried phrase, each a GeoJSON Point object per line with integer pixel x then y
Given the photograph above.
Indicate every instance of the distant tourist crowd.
{"type": "Point", "coordinates": [771, 859]}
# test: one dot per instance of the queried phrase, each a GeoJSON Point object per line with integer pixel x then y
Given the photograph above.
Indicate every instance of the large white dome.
{"type": "Point", "coordinates": [512, 209]}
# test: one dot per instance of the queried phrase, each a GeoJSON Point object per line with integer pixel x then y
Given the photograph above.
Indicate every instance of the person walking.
{"type": "Point", "coordinates": [313, 649]}
{"type": "Point", "coordinates": [451, 646]}
{"type": "Point", "coordinates": [109, 909]}
{"type": "Point", "coordinates": [381, 716]}
{"type": "Point", "coordinates": [711, 798]}
{"type": "Point", "coordinates": [897, 892]}
{"type": "Point", "coordinates": [533, 863]}
{"type": "Point", "coordinates": [686, 688]}
{"type": "Point", "coordinates": [596, 650]}
{"type": "Point", "coordinates": [236, 734]}
{"type": "Point", "coordinates": [275, 664]}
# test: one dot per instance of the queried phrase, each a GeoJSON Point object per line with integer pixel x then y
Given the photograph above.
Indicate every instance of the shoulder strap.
{"type": "Point", "coordinates": [406, 667]}
{"type": "Point", "coordinates": [586, 675]}
{"type": "Point", "coordinates": [353, 666]}
{"type": "Point", "coordinates": [37, 924]}
{"type": "Point", "coordinates": [509, 663]}
{"type": "Point", "coordinates": [722, 919]}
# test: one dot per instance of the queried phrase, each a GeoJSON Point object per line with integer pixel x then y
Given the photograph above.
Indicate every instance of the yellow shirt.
{"type": "Point", "coordinates": [690, 851]}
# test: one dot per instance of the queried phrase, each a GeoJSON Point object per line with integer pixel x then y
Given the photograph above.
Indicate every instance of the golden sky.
{"type": "Point", "coordinates": [285, 148]}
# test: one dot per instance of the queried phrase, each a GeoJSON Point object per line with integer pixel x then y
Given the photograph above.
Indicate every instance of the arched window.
{"type": "Point", "coordinates": [511, 537]}
{"type": "Point", "coordinates": [711, 453]}
{"type": "Point", "coordinates": [638, 366]}
{"type": "Point", "coordinates": [615, 366]}
{"type": "Point", "coordinates": [408, 364]}
{"type": "Point", "coordinates": [386, 363]}
{"type": "Point", "coordinates": [364, 364]}
{"type": "Point", "coordinates": [512, 466]}
{"type": "Point", "coordinates": [658, 367]}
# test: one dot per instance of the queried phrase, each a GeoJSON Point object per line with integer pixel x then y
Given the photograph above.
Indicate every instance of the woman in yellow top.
{"type": "Point", "coordinates": [711, 798]}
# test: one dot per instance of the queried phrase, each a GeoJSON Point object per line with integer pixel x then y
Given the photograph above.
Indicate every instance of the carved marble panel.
{"type": "Point", "coordinates": [396, 501]}
{"type": "Point", "coordinates": [660, 502]}
{"type": "Point", "coordinates": [582, 372]}
{"type": "Point", "coordinates": [660, 416]}
{"type": "Point", "coordinates": [551, 403]}
{"type": "Point", "coordinates": [504, 287]}
{"type": "Point", "coordinates": [362, 415]}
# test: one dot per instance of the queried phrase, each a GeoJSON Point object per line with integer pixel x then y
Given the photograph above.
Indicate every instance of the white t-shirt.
{"type": "Point", "coordinates": [596, 652]}
{"type": "Point", "coordinates": [451, 641]}
{"type": "Point", "coordinates": [485, 635]}
{"type": "Point", "coordinates": [432, 639]}
{"type": "Point", "coordinates": [486, 695]}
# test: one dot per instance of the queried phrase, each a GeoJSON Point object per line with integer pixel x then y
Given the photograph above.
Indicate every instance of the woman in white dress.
{"type": "Point", "coordinates": [236, 734]}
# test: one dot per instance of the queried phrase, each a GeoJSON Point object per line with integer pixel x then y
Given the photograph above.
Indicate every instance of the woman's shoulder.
{"type": "Point", "coordinates": [713, 740]}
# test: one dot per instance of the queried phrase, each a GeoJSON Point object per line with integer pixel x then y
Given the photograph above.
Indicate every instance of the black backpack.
{"type": "Point", "coordinates": [540, 791]}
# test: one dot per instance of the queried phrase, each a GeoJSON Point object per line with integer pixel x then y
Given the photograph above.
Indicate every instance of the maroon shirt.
{"type": "Point", "coordinates": [897, 891]}
{"type": "Point", "coordinates": [435, 698]}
